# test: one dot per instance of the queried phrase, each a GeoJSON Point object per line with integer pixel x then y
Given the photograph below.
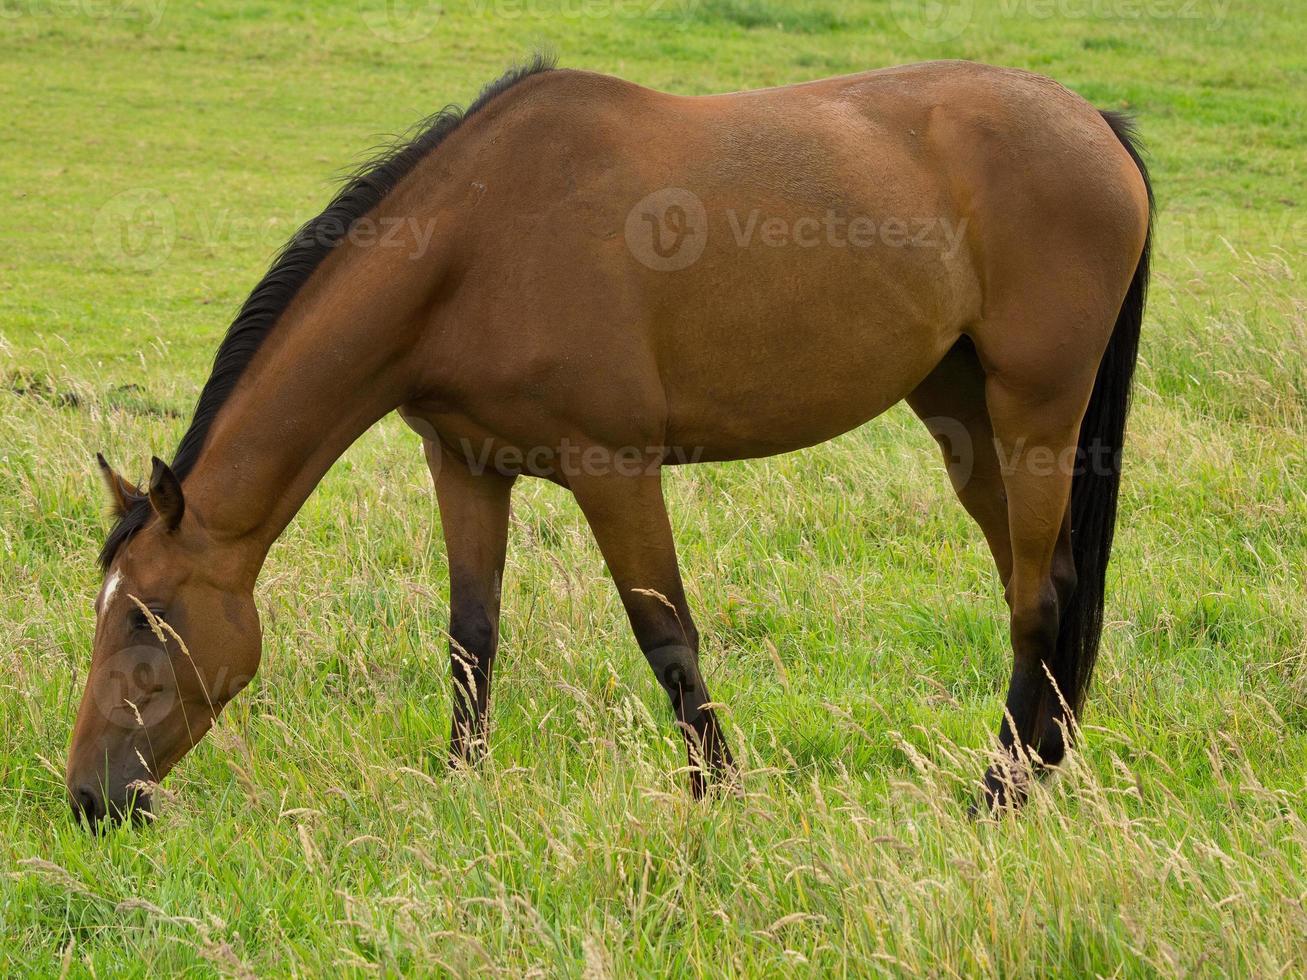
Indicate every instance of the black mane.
{"type": "Point", "coordinates": [364, 189]}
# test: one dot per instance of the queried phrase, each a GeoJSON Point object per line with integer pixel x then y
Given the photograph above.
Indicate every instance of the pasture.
{"type": "Point", "coordinates": [156, 154]}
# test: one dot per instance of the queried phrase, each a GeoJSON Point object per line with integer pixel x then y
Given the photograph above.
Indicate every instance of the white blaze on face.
{"type": "Point", "coordinates": [110, 590]}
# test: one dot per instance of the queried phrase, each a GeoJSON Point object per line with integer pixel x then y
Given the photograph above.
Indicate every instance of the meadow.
{"type": "Point", "coordinates": [154, 156]}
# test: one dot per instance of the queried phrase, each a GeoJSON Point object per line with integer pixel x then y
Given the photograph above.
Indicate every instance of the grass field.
{"type": "Point", "coordinates": [153, 157]}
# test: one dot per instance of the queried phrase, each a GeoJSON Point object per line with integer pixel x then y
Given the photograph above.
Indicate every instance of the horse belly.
{"type": "Point", "coordinates": [754, 405]}
{"type": "Point", "coordinates": [783, 348]}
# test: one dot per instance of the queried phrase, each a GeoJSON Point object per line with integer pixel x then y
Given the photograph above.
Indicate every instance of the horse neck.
{"type": "Point", "coordinates": [337, 361]}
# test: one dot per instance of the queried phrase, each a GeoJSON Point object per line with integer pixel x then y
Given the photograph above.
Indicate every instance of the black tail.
{"type": "Point", "coordinates": [1098, 478]}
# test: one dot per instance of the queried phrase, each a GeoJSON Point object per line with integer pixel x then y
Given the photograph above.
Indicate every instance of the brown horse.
{"type": "Point", "coordinates": [584, 280]}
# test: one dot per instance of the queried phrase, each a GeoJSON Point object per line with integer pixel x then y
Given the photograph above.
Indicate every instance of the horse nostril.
{"type": "Point", "coordinates": [87, 805]}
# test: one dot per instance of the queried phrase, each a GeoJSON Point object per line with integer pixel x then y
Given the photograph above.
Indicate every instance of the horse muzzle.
{"type": "Point", "coordinates": [96, 808]}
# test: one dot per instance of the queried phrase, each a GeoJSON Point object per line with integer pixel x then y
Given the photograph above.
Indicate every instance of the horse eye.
{"type": "Point", "coordinates": [140, 621]}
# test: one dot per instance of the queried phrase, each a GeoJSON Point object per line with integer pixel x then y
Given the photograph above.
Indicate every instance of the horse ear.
{"type": "Point", "coordinates": [166, 494]}
{"type": "Point", "coordinates": [121, 493]}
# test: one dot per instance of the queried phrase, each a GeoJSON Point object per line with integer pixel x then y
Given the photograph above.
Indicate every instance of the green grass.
{"type": "Point", "coordinates": [851, 616]}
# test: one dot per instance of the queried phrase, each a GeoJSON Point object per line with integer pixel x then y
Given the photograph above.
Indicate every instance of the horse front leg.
{"type": "Point", "coordinates": [474, 511]}
{"type": "Point", "coordinates": [629, 519]}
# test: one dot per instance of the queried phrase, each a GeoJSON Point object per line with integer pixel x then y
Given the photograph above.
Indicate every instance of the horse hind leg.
{"type": "Point", "coordinates": [1055, 722]}
{"type": "Point", "coordinates": [951, 403]}
{"type": "Point", "coordinates": [1036, 418]}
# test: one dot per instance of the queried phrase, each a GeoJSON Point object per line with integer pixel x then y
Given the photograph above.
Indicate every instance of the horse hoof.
{"type": "Point", "coordinates": [1000, 793]}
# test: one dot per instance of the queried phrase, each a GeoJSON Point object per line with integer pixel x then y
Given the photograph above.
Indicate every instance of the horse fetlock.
{"type": "Point", "coordinates": [677, 670]}
{"type": "Point", "coordinates": [1053, 742]}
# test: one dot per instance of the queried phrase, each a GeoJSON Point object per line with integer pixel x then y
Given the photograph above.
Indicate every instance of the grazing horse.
{"type": "Point", "coordinates": [584, 280]}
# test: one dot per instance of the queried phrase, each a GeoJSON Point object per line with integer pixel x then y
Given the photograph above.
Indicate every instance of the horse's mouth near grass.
{"type": "Point", "coordinates": [92, 811]}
